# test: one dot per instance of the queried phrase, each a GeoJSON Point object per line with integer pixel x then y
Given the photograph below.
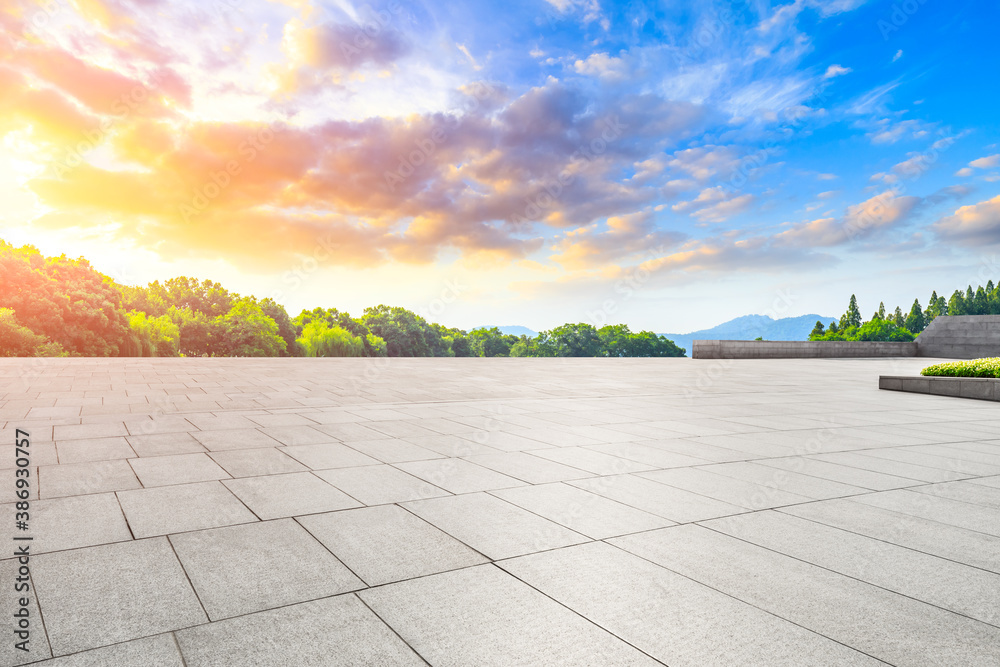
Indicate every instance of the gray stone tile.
{"type": "Point", "coordinates": [280, 419]}
{"type": "Point", "coordinates": [954, 464]}
{"type": "Point", "coordinates": [394, 450]}
{"type": "Point", "coordinates": [297, 435]}
{"type": "Point", "coordinates": [659, 499]}
{"type": "Point", "coordinates": [597, 463]}
{"type": "Point", "coordinates": [157, 651]}
{"type": "Point", "coordinates": [531, 469]}
{"type": "Point", "coordinates": [158, 425]}
{"type": "Point", "coordinates": [587, 513]}
{"type": "Point", "coordinates": [452, 445]}
{"type": "Point", "coordinates": [648, 454]}
{"type": "Point", "coordinates": [176, 469]}
{"type": "Point", "coordinates": [253, 462]}
{"type": "Point", "coordinates": [10, 603]}
{"type": "Point", "coordinates": [694, 624]}
{"type": "Point", "coordinates": [883, 624]}
{"type": "Point", "coordinates": [932, 537]}
{"type": "Point", "coordinates": [252, 567]}
{"type": "Point", "coordinates": [113, 593]}
{"type": "Point", "coordinates": [727, 489]}
{"type": "Point", "coordinates": [458, 475]}
{"type": "Point", "coordinates": [42, 453]}
{"type": "Point", "coordinates": [377, 485]}
{"type": "Point", "coordinates": [867, 462]}
{"type": "Point", "coordinates": [88, 431]}
{"type": "Point", "coordinates": [943, 510]}
{"type": "Point", "coordinates": [76, 479]}
{"type": "Point", "coordinates": [943, 583]}
{"type": "Point", "coordinates": [493, 527]}
{"type": "Point", "coordinates": [73, 522]}
{"type": "Point", "coordinates": [245, 438]}
{"type": "Point", "coordinates": [93, 449]}
{"type": "Point", "coordinates": [966, 492]}
{"type": "Point", "coordinates": [333, 631]}
{"type": "Point", "coordinates": [223, 422]}
{"type": "Point", "coordinates": [785, 480]}
{"type": "Point", "coordinates": [294, 494]}
{"type": "Point", "coordinates": [387, 543]}
{"type": "Point", "coordinates": [165, 444]}
{"type": "Point", "coordinates": [504, 621]}
{"type": "Point", "coordinates": [331, 455]}
{"type": "Point", "coordinates": [865, 479]}
{"type": "Point", "coordinates": [349, 432]}
{"type": "Point", "coordinates": [176, 509]}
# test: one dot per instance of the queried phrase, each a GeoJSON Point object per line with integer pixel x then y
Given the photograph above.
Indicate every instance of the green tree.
{"type": "Point", "coordinates": [575, 340]}
{"type": "Point", "coordinates": [491, 342]}
{"type": "Point", "coordinates": [247, 332]}
{"type": "Point", "coordinates": [286, 329]}
{"type": "Point", "coordinates": [852, 318]}
{"type": "Point", "coordinates": [897, 317]}
{"type": "Point", "coordinates": [64, 300]}
{"type": "Point", "coordinates": [817, 331]}
{"type": "Point", "coordinates": [319, 339]}
{"type": "Point", "coordinates": [404, 332]}
{"type": "Point", "coordinates": [19, 341]}
{"type": "Point", "coordinates": [151, 336]}
{"type": "Point", "coordinates": [915, 320]}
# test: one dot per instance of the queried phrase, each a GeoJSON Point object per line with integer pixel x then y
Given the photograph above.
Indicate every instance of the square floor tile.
{"type": "Point", "coordinates": [376, 485]}
{"type": "Point", "coordinates": [493, 527]}
{"type": "Point", "coordinates": [387, 543]}
{"type": "Point", "coordinates": [333, 631]}
{"type": "Point", "coordinates": [458, 475]}
{"type": "Point", "coordinates": [157, 651]}
{"type": "Point", "coordinates": [77, 479]}
{"type": "Point", "coordinates": [73, 522]}
{"type": "Point", "coordinates": [252, 567]}
{"type": "Point", "coordinates": [176, 469]}
{"type": "Point", "coordinates": [503, 622]}
{"type": "Point", "coordinates": [277, 496]}
{"type": "Point", "coordinates": [93, 449]}
{"type": "Point", "coordinates": [165, 444]}
{"type": "Point", "coordinates": [176, 509]}
{"type": "Point", "coordinates": [330, 455]}
{"type": "Point", "coordinates": [585, 512]}
{"type": "Point", "coordinates": [243, 438]}
{"type": "Point", "coordinates": [113, 593]}
{"type": "Point", "coordinates": [252, 462]}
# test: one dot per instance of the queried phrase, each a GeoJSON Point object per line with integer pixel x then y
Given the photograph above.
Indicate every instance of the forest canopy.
{"type": "Point", "coordinates": [56, 306]}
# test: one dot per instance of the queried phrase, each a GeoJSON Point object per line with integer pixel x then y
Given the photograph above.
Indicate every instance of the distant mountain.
{"type": "Point", "coordinates": [750, 327]}
{"type": "Point", "coordinates": [514, 329]}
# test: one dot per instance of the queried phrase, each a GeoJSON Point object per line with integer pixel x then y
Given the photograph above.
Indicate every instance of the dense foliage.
{"type": "Point", "coordinates": [897, 326]}
{"type": "Point", "coordinates": [57, 306]}
{"type": "Point", "coordinates": [976, 368]}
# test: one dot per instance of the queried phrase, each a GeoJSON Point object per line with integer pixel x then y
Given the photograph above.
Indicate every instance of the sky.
{"type": "Point", "coordinates": [669, 165]}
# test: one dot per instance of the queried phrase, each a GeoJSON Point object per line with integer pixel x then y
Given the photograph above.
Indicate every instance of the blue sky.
{"type": "Point", "coordinates": [667, 165]}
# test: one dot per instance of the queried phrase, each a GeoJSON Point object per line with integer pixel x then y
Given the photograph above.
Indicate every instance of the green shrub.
{"type": "Point", "coordinates": [976, 368]}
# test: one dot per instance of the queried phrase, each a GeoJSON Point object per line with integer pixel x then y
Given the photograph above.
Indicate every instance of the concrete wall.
{"type": "Point", "coordinates": [987, 389]}
{"type": "Point", "coordinates": [961, 337]}
{"type": "Point", "coordinates": [776, 349]}
{"type": "Point", "coordinates": [947, 337]}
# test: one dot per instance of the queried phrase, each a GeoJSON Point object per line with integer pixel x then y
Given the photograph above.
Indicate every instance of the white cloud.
{"type": "Point", "coordinates": [986, 162]}
{"type": "Point", "coordinates": [836, 70]}
{"type": "Point", "coordinates": [964, 172]}
{"type": "Point", "coordinates": [899, 54]}
{"type": "Point", "coordinates": [601, 65]}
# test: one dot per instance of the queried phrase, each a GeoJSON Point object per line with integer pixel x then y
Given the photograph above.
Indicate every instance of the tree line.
{"type": "Point", "coordinates": [895, 326]}
{"type": "Point", "coordinates": [56, 306]}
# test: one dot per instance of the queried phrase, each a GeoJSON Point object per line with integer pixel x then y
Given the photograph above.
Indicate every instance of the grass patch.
{"type": "Point", "coordinates": [975, 368]}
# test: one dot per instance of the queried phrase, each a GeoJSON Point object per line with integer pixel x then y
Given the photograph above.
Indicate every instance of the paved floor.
{"type": "Point", "coordinates": [502, 512]}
